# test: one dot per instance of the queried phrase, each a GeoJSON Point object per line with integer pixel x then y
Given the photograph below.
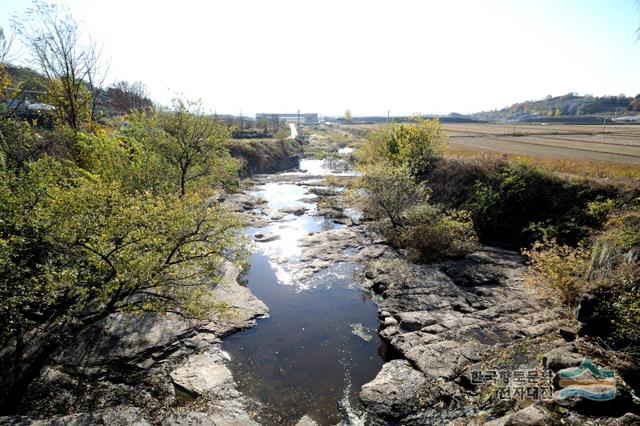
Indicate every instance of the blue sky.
{"type": "Point", "coordinates": [368, 56]}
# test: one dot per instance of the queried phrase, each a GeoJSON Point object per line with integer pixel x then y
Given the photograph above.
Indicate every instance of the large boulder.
{"type": "Point", "coordinates": [533, 415]}
{"type": "Point", "coordinates": [561, 358]}
{"type": "Point", "coordinates": [392, 394]}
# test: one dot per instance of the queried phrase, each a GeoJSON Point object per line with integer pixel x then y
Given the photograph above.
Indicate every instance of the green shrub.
{"type": "Point", "coordinates": [610, 271]}
{"type": "Point", "coordinates": [559, 272]}
{"type": "Point", "coordinates": [518, 204]}
{"type": "Point", "coordinates": [415, 146]}
{"type": "Point", "coordinates": [388, 191]}
{"type": "Point", "coordinates": [430, 234]}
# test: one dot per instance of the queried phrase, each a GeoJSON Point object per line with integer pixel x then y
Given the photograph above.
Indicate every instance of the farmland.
{"type": "Point", "coordinates": [612, 143]}
{"type": "Point", "coordinates": [617, 144]}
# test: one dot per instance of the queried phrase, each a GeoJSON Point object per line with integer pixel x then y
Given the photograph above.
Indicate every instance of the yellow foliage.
{"type": "Point", "coordinates": [558, 272]}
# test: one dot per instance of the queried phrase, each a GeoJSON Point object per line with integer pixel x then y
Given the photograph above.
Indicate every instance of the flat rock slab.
{"type": "Point", "coordinates": [124, 337]}
{"type": "Point", "coordinates": [123, 416]}
{"type": "Point", "coordinates": [244, 306]}
{"type": "Point", "coordinates": [202, 374]}
{"type": "Point", "coordinates": [393, 392]}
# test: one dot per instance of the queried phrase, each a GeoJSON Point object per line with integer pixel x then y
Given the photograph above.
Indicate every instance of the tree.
{"type": "Point", "coordinates": [263, 123]}
{"type": "Point", "coordinates": [347, 116]}
{"type": "Point", "coordinates": [125, 97]}
{"type": "Point", "coordinates": [416, 145]}
{"type": "Point", "coordinates": [388, 191]}
{"type": "Point", "coordinates": [5, 46]}
{"type": "Point", "coordinates": [75, 248]}
{"type": "Point", "coordinates": [195, 146]}
{"type": "Point", "coordinates": [70, 63]}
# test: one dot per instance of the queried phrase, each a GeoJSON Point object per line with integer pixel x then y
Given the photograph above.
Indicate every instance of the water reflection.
{"type": "Point", "coordinates": [312, 352]}
{"type": "Point", "coordinates": [305, 358]}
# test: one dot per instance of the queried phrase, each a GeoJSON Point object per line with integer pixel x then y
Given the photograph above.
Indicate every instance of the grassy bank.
{"type": "Point", "coordinates": [265, 155]}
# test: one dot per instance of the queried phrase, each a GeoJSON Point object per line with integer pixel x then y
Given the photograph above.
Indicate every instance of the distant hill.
{"type": "Point", "coordinates": [569, 107]}
{"type": "Point", "coordinates": [31, 82]}
{"type": "Point", "coordinates": [30, 86]}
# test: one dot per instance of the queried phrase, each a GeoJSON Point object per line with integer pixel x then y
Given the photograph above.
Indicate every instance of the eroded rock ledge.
{"type": "Point", "coordinates": [445, 320]}
{"type": "Point", "coordinates": [151, 363]}
{"type": "Point", "coordinates": [448, 319]}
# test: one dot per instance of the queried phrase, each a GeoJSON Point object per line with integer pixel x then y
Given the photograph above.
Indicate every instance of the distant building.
{"type": "Point", "coordinates": [40, 112]}
{"type": "Point", "coordinates": [25, 105]}
{"type": "Point", "coordinates": [627, 119]}
{"type": "Point", "coordinates": [308, 118]}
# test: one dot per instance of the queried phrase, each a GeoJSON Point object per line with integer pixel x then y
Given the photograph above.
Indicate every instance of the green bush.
{"type": "Point", "coordinates": [609, 271]}
{"type": "Point", "coordinates": [388, 191]}
{"type": "Point", "coordinates": [390, 194]}
{"type": "Point", "coordinates": [517, 204]}
{"type": "Point", "coordinates": [430, 234]}
{"type": "Point", "coordinates": [416, 146]}
{"type": "Point", "coordinates": [559, 272]}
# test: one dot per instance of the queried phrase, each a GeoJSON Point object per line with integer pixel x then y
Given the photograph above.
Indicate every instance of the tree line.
{"type": "Point", "coordinates": [102, 216]}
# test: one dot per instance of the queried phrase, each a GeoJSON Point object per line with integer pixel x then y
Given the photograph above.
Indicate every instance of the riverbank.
{"type": "Point", "coordinates": [148, 369]}
{"type": "Point", "coordinates": [348, 332]}
{"type": "Point", "coordinates": [266, 155]}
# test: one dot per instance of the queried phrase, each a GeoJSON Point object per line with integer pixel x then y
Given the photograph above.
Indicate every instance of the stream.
{"type": "Point", "coordinates": [319, 344]}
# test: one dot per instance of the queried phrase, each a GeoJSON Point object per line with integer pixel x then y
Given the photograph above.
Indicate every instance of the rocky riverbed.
{"type": "Point", "coordinates": [351, 334]}
{"type": "Point", "coordinates": [148, 369]}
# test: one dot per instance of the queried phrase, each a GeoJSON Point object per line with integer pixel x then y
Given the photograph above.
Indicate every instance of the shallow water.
{"type": "Point", "coordinates": [304, 358]}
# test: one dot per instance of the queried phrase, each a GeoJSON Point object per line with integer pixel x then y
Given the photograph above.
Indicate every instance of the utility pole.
{"type": "Point", "coordinates": [298, 118]}
{"type": "Point", "coordinates": [388, 116]}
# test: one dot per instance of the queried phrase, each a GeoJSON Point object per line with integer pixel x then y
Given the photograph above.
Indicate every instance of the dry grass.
{"type": "Point", "coordinates": [610, 153]}
{"type": "Point", "coordinates": [626, 174]}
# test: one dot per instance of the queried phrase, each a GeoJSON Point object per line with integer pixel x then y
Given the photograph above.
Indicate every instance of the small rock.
{"type": "Point", "coordinates": [266, 237]}
{"type": "Point", "coordinates": [389, 321]}
{"type": "Point", "coordinates": [560, 358]}
{"type": "Point", "coordinates": [359, 330]}
{"type": "Point", "coordinates": [146, 364]}
{"type": "Point", "coordinates": [188, 419]}
{"type": "Point", "coordinates": [533, 415]}
{"type": "Point", "coordinates": [296, 210]}
{"type": "Point", "coordinates": [306, 421]}
{"type": "Point", "coordinates": [389, 332]}
{"type": "Point", "coordinates": [628, 419]}
{"type": "Point", "coordinates": [567, 334]}
{"type": "Point", "coordinates": [384, 314]}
